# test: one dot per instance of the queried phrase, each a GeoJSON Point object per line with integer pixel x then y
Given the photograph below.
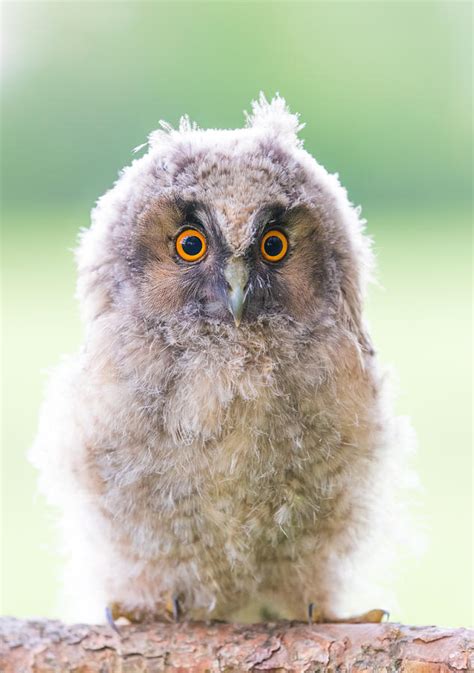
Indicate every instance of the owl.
{"type": "Point", "coordinates": [224, 440]}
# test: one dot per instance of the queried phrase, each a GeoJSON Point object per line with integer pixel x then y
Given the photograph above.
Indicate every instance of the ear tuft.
{"type": "Point", "coordinates": [275, 116]}
{"type": "Point", "coordinates": [186, 125]}
{"type": "Point", "coordinates": [161, 135]}
{"type": "Point", "coordinates": [166, 132]}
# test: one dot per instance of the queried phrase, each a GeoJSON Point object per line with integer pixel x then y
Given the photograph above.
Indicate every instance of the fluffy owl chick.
{"type": "Point", "coordinates": [222, 438]}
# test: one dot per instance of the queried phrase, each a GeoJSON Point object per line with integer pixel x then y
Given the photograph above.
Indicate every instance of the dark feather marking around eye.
{"type": "Point", "coordinates": [192, 280]}
{"type": "Point", "coordinates": [199, 215]}
{"type": "Point", "coordinates": [188, 210]}
{"type": "Point", "coordinates": [192, 218]}
{"type": "Point", "coordinates": [272, 214]}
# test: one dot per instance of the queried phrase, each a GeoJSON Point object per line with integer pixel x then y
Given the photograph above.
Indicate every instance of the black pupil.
{"type": "Point", "coordinates": [273, 246]}
{"type": "Point", "coordinates": [192, 245]}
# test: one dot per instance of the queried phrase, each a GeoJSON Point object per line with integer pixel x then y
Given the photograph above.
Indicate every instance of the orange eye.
{"type": "Point", "coordinates": [191, 245]}
{"type": "Point", "coordinates": [274, 245]}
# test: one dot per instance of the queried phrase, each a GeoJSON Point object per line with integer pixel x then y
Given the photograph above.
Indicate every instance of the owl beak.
{"type": "Point", "coordinates": [236, 275]}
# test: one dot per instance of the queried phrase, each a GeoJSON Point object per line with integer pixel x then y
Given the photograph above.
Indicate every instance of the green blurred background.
{"type": "Point", "coordinates": [385, 91]}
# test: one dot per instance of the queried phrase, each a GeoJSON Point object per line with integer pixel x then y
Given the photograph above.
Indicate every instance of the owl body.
{"type": "Point", "coordinates": [221, 461]}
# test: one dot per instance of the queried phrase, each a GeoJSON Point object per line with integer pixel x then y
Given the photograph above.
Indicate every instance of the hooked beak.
{"type": "Point", "coordinates": [236, 275]}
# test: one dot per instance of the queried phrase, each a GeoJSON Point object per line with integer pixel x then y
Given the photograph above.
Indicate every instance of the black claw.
{"type": "Point", "coordinates": [310, 613]}
{"type": "Point", "coordinates": [176, 609]}
{"type": "Point", "coordinates": [386, 614]}
{"type": "Point", "coordinates": [110, 620]}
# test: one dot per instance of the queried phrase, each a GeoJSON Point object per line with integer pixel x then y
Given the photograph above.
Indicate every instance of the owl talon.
{"type": "Point", "coordinates": [314, 615]}
{"type": "Point", "coordinates": [176, 608]}
{"type": "Point", "coordinates": [110, 620]}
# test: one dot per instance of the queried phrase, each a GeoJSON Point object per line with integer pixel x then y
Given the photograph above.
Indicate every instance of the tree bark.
{"type": "Point", "coordinates": [45, 646]}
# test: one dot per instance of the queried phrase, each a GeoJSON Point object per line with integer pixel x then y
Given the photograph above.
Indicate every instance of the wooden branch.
{"type": "Point", "coordinates": [284, 647]}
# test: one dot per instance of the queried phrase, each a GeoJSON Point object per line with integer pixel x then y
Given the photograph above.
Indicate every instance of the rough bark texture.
{"type": "Point", "coordinates": [52, 647]}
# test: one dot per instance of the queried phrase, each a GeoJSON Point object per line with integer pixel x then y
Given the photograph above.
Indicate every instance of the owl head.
{"type": "Point", "coordinates": [226, 227]}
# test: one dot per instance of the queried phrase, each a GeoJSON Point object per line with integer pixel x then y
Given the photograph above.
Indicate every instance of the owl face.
{"type": "Point", "coordinates": [188, 265]}
{"type": "Point", "coordinates": [236, 228]}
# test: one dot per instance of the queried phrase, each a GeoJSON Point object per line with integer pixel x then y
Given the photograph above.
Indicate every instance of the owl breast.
{"type": "Point", "coordinates": [233, 459]}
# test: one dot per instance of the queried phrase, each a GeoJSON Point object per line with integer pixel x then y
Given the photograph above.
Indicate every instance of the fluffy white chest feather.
{"type": "Point", "coordinates": [232, 448]}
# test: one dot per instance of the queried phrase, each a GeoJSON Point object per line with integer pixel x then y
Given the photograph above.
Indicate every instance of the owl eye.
{"type": "Point", "coordinates": [274, 245]}
{"type": "Point", "coordinates": [191, 245]}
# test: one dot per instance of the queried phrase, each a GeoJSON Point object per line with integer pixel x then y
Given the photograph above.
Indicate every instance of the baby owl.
{"type": "Point", "coordinates": [223, 438]}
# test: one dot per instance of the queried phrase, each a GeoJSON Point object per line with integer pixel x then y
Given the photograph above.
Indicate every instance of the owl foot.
{"type": "Point", "coordinates": [371, 617]}
{"type": "Point", "coordinates": [168, 611]}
